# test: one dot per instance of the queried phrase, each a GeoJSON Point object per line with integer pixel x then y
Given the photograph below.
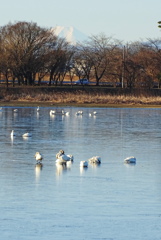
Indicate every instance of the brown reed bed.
{"type": "Point", "coordinates": [77, 98]}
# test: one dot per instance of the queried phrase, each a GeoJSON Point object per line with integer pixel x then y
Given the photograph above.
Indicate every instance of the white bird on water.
{"type": "Point", "coordinates": [38, 157]}
{"type": "Point", "coordinates": [27, 134]}
{"type": "Point", "coordinates": [15, 110]}
{"type": "Point", "coordinates": [79, 113]}
{"type": "Point", "coordinates": [95, 160]}
{"type": "Point", "coordinates": [65, 113]}
{"type": "Point", "coordinates": [52, 112]}
{"type": "Point", "coordinates": [93, 113]}
{"type": "Point", "coordinates": [62, 158]}
{"type": "Point", "coordinates": [83, 164]}
{"type": "Point", "coordinates": [38, 109]}
{"type": "Point", "coordinates": [130, 160]}
{"type": "Point", "coordinates": [13, 133]}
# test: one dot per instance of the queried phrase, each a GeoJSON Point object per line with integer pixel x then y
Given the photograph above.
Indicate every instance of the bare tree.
{"type": "Point", "coordinates": [99, 53]}
{"type": "Point", "coordinates": [133, 68]}
{"type": "Point", "coordinates": [82, 62]}
{"type": "Point", "coordinates": [58, 58]}
{"type": "Point", "coordinates": [25, 44]}
{"type": "Point", "coordinates": [153, 59]}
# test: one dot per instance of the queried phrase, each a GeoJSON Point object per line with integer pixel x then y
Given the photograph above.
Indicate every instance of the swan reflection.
{"type": "Point", "coordinates": [38, 169]}
{"type": "Point", "coordinates": [12, 136]}
{"type": "Point", "coordinates": [128, 165]}
{"type": "Point", "coordinates": [83, 170]}
{"type": "Point", "coordinates": [60, 169]}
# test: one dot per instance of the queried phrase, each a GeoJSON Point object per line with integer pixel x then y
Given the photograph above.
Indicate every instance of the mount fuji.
{"type": "Point", "coordinates": [71, 34]}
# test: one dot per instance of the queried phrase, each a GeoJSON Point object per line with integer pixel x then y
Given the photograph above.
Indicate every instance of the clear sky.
{"type": "Point", "coordinates": [126, 20]}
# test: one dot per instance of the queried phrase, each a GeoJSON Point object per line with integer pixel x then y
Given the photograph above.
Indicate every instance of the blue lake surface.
{"type": "Point", "coordinates": [112, 201]}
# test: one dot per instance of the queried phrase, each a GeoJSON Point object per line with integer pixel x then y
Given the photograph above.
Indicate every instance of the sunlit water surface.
{"type": "Point", "coordinates": [113, 201]}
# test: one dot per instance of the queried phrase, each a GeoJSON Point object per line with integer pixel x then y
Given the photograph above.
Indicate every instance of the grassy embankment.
{"type": "Point", "coordinates": [79, 96]}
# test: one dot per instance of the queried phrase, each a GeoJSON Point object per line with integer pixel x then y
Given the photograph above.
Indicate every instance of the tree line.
{"type": "Point", "coordinates": [29, 53]}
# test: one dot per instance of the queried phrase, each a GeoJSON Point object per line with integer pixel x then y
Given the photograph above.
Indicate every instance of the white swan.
{"type": "Point", "coordinates": [130, 160]}
{"type": "Point", "coordinates": [62, 158]}
{"type": "Point", "coordinates": [93, 113]}
{"type": "Point", "coordinates": [83, 164]}
{"type": "Point", "coordinates": [15, 110]}
{"type": "Point", "coordinates": [38, 109]}
{"type": "Point", "coordinates": [61, 155]}
{"type": "Point", "coordinates": [38, 157]}
{"type": "Point", "coordinates": [13, 133]}
{"type": "Point", "coordinates": [95, 159]}
{"type": "Point", "coordinates": [79, 113]}
{"type": "Point", "coordinates": [27, 135]}
{"type": "Point", "coordinates": [65, 113]}
{"type": "Point", "coordinates": [52, 112]}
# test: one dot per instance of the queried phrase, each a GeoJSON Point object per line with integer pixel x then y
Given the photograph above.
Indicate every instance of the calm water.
{"type": "Point", "coordinates": [113, 201]}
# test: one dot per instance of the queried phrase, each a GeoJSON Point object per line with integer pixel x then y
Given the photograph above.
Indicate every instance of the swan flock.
{"type": "Point", "coordinates": [61, 157]}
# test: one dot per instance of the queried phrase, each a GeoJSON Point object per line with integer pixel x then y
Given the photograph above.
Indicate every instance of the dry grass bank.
{"type": "Point", "coordinates": [77, 97]}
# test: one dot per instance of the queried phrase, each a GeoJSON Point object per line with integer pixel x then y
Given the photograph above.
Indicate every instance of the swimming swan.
{"type": "Point", "coordinates": [52, 112]}
{"type": "Point", "coordinates": [13, 133]}
{"type": "Point", "coordinates": [130, 160]}
{"type": "Point", "coordinates": [95, 159]}
{"type": "Point", "coordinates": [27, 135]}
{"type": "Point", "coordinates": [38, 157]}
{"type": "Point", "coordinates": [79, 113]}
{"type": "Point", "coordinates": [83, 164]}
{"type": "Point", "coordinates": [62, 158]}
{"type": "Point", "coordinates": [65, 113]}
{"type": "Point", "coordinates": [93, 113]}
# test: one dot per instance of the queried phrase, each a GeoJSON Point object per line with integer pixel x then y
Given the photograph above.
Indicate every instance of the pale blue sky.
{"type": "Point", "coordinates": [127, 20]}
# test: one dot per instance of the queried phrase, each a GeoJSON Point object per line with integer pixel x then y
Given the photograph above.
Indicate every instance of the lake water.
{"type": "Point", "coordinates": [113, 201]}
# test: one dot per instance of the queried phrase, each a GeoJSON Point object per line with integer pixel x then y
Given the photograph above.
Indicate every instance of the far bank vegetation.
{"type": "Point", "coordinates": [75, 96]}
{"type": "Point", "coordinates": [31, 55]}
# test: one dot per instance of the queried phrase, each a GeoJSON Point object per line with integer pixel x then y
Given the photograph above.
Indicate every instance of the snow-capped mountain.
{"type": "Point", "coordinates": [71, 34]}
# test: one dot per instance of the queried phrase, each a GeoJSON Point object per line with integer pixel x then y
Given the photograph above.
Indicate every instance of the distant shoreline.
{"type": "Point", "coordinates": [90, 105]}
{"type": "Point", "coordinates": [79, 97]}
